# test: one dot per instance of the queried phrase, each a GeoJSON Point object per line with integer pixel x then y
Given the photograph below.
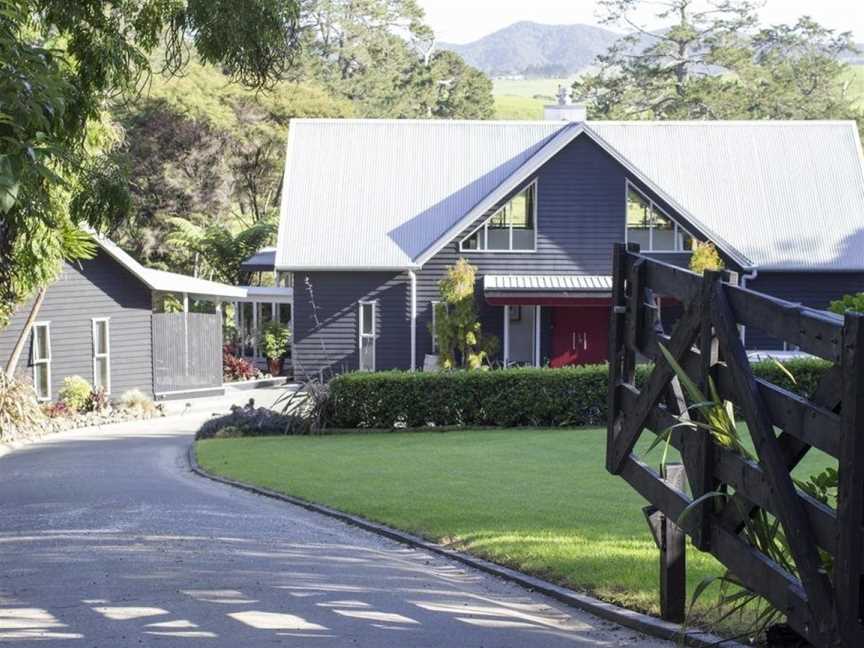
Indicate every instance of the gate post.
{"type": "Point", "coordinates": [848, 568]}
{"type": "Point", "coordinates": [671, 541]}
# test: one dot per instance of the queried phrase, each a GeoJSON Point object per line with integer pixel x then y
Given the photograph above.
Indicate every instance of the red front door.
{"type": "Point", "coordinates": [580, 335]}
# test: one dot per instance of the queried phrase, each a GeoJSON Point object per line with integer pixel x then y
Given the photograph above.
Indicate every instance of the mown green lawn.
{"type": "Point", "coordinates": [513, 108]}
{"type": "Point", "coordinates": [537, 500]}
{"type": "Point", "coordinates": [523, 99]}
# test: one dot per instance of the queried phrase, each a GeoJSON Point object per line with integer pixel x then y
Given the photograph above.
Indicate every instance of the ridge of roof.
{"type": "Point", "coordinates": [806, 153]}
{"type": "Point", "coordinates": [702, 123]}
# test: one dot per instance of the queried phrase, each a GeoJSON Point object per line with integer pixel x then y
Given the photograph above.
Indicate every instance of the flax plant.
{"type": "Point", "coordinates": [716, 417]}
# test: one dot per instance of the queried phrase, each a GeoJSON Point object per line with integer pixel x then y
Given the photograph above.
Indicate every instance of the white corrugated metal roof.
{"type": "Point", "coordinates": [783, 194]}
{"type": "Point", "coordinates": [387, 193]}
{"type": "Point", "coordinates": [376, 193]}
{"type": "Point", "coordinates": [547, 283]}
{"type": "Point", "coordinates": [168, 281]}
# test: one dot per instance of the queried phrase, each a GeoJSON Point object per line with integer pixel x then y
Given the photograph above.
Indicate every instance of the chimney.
{"type": "Point", "coordinates": [565, 109]}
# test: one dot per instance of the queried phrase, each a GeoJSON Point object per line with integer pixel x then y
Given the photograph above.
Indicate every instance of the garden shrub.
{"type": "Point", "coordinates": [235, 369]}
{"type": "Point", "coordinates": [97, 401]}
{"type": "Point", "coordinates": [247, 420]}
{"type": "Point", "coordinates": [75, 393]}
{"type": "Point", "coordinates": [504, 398]}
{"type": "Point", "coordinates": [807, 373]}
{"type": "Point", "coordinates": [511, 397]}
{"type": "Point", "coordinates": [19, 409]}
{"type": "Point", "coordinates": [134, 400]}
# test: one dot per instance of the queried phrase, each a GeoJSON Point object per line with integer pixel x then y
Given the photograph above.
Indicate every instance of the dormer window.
{"type": "Point", "coordinates": [510, 229]}
{"type": "Point", "coordinates": [652, 228]}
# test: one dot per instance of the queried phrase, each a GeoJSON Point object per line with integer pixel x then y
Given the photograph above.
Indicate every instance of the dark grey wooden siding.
{"type": "Point", "coordinates": [326, 337]}
{"type": "Point", "coordinates": [98, 287]}
{"type": "Point", "coordinates": [581, 207]}
{"type": "Point", "coordinates": [581, 214]}
{"type": "Point", "coordinates": [813, 289]}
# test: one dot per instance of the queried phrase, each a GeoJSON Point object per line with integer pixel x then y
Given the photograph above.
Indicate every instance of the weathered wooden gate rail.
{"type": "Point", "coordinates": [825, 608]}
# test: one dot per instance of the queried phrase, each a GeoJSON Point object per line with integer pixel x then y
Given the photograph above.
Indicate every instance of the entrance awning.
{"type": "Point", "coordinates": [547, 289]}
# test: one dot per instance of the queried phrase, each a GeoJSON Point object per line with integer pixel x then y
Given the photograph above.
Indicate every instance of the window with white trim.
{"type": "Point", "coordinates": [513, 228]}
{"type": "Point", "coordinates": [41, 360]}
{"type": "Point", "coordinates": [101, 354]}
{"type": "Point", "coordinates": [368, 328]}
{"type": "Point", "coordinates": [652, 228]}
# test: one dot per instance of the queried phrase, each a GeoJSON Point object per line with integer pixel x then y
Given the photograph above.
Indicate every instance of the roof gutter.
{"type": "Point", "coordinates": [332, 268]}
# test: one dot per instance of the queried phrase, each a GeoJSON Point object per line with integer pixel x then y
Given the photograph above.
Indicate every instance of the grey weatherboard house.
{"type": "Point", "coordinates": [97, 321]}
{"type": "Point", "coordinates": [374, 211]}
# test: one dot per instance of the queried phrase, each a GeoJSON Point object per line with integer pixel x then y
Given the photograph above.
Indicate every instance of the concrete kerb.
{"type": "Point", "coordinates": [634, 620]}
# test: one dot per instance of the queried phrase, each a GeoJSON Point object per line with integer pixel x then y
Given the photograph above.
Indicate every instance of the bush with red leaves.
{"type": "Point", "coordinates": [235, 369]}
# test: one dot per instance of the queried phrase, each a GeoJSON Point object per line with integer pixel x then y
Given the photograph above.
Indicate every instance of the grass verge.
{"type": "Point", "coordinates": [536, 500]}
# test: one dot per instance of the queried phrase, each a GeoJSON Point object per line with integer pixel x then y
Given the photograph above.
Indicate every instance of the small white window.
{"type": "Point", "coordinates": [512, 228]}
{"type": "Point", "coordinates": [101, 355]}
{"type": "Point", "coordinates": [41, 360]}
{"type": "Point", "coordinates": [651, 227]}
{"type": "Point", "coordinates": [368, 329]}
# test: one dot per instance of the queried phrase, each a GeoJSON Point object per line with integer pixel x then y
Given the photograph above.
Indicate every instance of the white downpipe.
{"type": "Point", "coordinates": [506, 336]}
{"type": "Point", "coordinates": [413, 276]}
{"type": "Point", "coordinates": [537, 335]}
{"type": "Point", "coordinates": [743, 283]}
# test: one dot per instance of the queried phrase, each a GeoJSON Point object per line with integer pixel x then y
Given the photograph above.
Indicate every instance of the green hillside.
{"type": "Point", "coordinates": [524, 98]}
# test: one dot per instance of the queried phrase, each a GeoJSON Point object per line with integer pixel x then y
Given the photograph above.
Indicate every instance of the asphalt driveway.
{"type": "Point", "coordinates": [109, 540]}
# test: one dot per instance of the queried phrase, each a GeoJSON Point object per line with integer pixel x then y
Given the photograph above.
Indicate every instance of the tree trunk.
{"type": "Point", "coordinates": [25, 333]}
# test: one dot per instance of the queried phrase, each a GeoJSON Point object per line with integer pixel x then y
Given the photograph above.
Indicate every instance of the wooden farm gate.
{"type": "Point", "coordinates": [822, 605]}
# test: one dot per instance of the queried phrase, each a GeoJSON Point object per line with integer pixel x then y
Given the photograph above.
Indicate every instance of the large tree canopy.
{"type": "Point", "coordinates": [200, 148]}
{"type": "Point", "coordinates": [60, 62]}
{"type": "Point", "coordinates": [715, 61]}
{"type": "Point", "coordinates": [381, 55]}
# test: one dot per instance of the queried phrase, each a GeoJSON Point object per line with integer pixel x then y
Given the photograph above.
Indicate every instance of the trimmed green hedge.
{"type": "Point", "coordinates": [504, 398]}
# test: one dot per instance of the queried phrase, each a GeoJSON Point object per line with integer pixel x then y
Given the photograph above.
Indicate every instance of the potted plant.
{"type": "Point", "coordinates": [275, 340]}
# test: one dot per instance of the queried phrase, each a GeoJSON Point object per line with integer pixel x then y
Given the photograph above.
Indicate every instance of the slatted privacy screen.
{"type": "Point", "coordinates": [187, 351]}
{"type": "Point", "coordinates": [824, 606]}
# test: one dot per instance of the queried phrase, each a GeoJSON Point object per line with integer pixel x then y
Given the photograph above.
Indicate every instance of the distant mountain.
{"type": "Point", "coordinates": [534, 49]}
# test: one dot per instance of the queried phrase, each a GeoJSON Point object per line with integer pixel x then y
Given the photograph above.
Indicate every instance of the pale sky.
{"type": "Point", "coordinates": [461, 21]}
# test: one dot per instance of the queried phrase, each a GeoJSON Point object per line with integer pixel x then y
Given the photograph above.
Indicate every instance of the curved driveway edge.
{"type": "Point", "coordinates": [634, 620]}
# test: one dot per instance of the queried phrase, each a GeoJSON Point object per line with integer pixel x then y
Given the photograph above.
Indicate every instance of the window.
{"type": "Point", "coordinates": [284, 314]}
{"type": "Point", "coordinates": [41, 360]}
{"type": "Point", "coordinates": [650, 227]}
{"type": "Point", "coordinates": [367, 336]}
{"type": "Point", "coordinates": [510, 229]}
{"type": "Point", "coordinates": [101, 355]}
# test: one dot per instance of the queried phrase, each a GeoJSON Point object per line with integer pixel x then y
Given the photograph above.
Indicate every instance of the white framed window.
{"type": "Point", "coordinates": [41, 360]}
{"type": "Point", "coordinates": [367, 333]}
{"type": "Point", "coordinates": [101, 354]}
{"type": "Point", "coordinates": [512, 228]}
{"type": "Point", "coordinates": [651, 227]}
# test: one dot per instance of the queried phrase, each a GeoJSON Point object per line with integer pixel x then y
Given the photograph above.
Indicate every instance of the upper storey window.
{"type": "Point", "coordinates": [513, 228]}
{"type": "Point", "coordinates": [650, 227]}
